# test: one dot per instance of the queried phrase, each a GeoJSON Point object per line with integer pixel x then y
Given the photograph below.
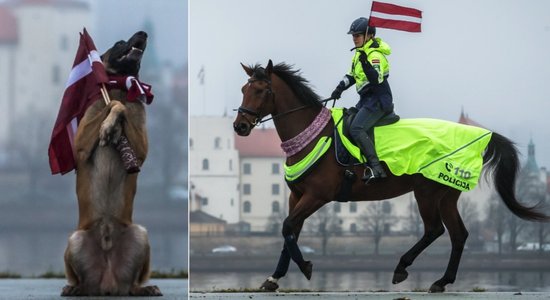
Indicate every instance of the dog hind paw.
{"type": "Point", "coordinates": [151, 290]}
{"type": "Point", "coordinates": [71, 290]}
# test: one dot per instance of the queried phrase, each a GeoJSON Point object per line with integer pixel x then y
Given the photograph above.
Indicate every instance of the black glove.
{"type": "Point", "coordinates": [337, 93]}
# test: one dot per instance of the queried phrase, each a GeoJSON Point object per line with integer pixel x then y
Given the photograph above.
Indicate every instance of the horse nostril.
{"type": "Point", "coordinates": [240, 128]}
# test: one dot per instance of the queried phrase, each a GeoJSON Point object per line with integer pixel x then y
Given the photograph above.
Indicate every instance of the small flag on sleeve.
{"type": "Point", "coordinates": [385, 15]}
{"type": "Point", "coordinates": [82, 88]}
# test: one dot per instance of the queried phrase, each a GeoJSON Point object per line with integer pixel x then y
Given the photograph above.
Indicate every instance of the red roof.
{"type": "Point", "coordinates": [262, 142]}
{"type": "Point", "coordinates": [8, 26]}
{"type": "Point", "coordinates": [464, 119]}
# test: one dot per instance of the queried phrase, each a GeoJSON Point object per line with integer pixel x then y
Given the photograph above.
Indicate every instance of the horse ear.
{"type": "Point", "coordinates": [248, 70]}
{"type": "Point", "coordinates": [269, 69]}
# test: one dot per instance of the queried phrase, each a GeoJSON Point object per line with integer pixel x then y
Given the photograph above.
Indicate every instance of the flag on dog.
{"type": "Point", "coordinates": [393, 16]}
{"type": "Point", "coordinates": [82, 88]}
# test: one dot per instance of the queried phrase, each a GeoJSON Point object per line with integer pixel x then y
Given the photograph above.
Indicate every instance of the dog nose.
{"type": "Point", "coordinates": [142, 33]}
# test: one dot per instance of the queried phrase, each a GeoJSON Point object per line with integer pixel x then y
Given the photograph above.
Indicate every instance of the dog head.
{"type": "Point", "coordinates": [124, 57]}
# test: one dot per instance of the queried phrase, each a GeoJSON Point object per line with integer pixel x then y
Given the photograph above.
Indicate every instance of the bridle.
{"type": "Point", "coordinates": [257, 116]}
{"type": "Point", "coordinates": [247, 111]}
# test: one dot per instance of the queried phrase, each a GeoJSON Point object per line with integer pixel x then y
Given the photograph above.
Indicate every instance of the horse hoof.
{"type": "Point", "coordinates": [399, 277]}
{"type": "Point", "coordinates": [307, 269]}
{"type": "Point", "coordinates": [436, 288]}
{"type": "Point", "coordinates": [269, 286]}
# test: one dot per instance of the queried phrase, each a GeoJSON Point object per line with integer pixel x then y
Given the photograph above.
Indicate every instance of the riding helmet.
{"type": "Point", "coordinates": [360, 25]}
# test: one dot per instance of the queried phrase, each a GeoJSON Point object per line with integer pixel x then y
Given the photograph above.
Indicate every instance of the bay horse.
{"type": "Point", "coordinates": [284, 94]}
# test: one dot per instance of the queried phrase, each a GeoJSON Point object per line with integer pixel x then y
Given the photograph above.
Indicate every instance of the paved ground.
{"type": "Point", "coordinates": [377, 296]}
{"type": "Point", "coordinates": [18, 289]}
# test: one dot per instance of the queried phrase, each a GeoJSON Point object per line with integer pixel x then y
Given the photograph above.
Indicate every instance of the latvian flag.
{"type": "Point", "coordinates": [82, 88]}
{"type": "Point", "coordinates": [397, 17]}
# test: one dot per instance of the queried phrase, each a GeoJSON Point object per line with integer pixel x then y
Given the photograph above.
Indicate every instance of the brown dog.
{"type": "Point", "coordinates": [108, 254]}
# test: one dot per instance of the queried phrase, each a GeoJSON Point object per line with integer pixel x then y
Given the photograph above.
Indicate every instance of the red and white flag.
{"type": "Point", "coordinates": [393, 16]}
{"type": "Point", "coordinates": [82, 88]}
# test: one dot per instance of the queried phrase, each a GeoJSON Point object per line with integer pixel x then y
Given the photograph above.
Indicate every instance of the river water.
{"type": "Point", "coordinates": [506, 281]}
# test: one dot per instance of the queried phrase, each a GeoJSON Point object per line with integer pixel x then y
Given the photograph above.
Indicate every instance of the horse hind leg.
{"type": "Point", "coordinates": [458, 234]}
{"type": "Point", "coordinates": [428, 206]}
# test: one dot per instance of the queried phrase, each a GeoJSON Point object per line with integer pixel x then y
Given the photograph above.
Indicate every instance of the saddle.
{"type": "Point", "coordinates": [342, 154]}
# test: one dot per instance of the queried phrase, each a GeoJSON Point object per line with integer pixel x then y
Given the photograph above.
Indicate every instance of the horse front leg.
{"type": "Point", "coordinates": [292, 225]}
{"type": "Point", "coordinates": [270, 284]}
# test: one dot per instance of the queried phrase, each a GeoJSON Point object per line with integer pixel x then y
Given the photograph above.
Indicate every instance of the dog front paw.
{"type": "Point", "coordinates": [109, 132]}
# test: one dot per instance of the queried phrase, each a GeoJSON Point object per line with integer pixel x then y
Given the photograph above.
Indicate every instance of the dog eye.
{"type": "Point", "coordinates": [119, 43]}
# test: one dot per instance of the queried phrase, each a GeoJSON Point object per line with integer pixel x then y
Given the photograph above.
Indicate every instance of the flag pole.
{"type": "Point", "coordinates": [105, 94]}
{"type": "Point", "coordinates": [370, 16]}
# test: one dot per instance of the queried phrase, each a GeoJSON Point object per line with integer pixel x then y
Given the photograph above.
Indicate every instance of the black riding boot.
{"type": "Point", "coordinates": [373, 167]}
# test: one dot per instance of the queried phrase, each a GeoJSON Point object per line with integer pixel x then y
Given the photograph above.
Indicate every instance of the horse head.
{"type": "Point", "coordinates": [257, 99]}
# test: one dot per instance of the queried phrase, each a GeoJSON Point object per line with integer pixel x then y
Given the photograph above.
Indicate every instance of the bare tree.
{"type": "Point", "coordinates": [413, 220]}
{"type": "Point", "coordinates": [469, 213]}
{"type": "Point", "coordinates": [497, 219]}
{"type": "Point", "coordinates": [325, 223]}
{"type": "Point", "coordinates": [376, 220]}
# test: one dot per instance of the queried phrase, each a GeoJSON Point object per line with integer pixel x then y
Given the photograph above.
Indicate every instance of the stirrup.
{"type": "Point", "coordinates": [368, 175]}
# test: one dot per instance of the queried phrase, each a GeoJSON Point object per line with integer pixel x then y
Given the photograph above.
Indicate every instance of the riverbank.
{"type": "Point", "coordinates": [385, 262]}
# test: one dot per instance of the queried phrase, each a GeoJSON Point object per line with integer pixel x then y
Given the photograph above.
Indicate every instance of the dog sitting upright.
{"type": "Point", "coordinates": [108, 254]}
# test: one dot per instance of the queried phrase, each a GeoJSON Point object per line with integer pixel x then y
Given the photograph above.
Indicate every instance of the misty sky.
{"type": "Point", "coordinates": [115, 20]}
{"type": "Point", "coordinates": [489, 57]}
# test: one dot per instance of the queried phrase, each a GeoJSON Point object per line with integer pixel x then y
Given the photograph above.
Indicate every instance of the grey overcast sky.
{"type": "Point", "coordinates": [490, 57]}
{"type": "Point", "coordinates": [116, 20]}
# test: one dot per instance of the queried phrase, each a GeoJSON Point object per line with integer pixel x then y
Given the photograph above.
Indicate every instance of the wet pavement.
{"type": "Point", "coordinates": [16, 289]}
{"type": "Point", "coordinates": [378, 296]}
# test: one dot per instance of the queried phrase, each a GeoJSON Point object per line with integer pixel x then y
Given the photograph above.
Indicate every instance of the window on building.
{"type": "Point", "coordinates": [217, 143]}
{"type": "Point", "coordinates": [190, 143]}
{"type": "Point", "coordinates": [275, 189]}
{"type": "Point", "coordinates": [247, 169]}
{"type": "Point", "coordinates": [204, 201]}
{"type": "Point", "coordinates": [275, 168]}
{"type": "Point", "coordinates": [232, 202]}
{"type": "Point", "coordinates": [205, 164]}
{"type": "Point", "coordinates": [247, 206]}
{"type": "Point", "coordinates": [353, 228]}
{"type": "Point", "coordinates": [337, 207]}
{"type": "Point", "coordinates": [230, 165]}
{"type": "Point", "coordinates": [246, 189]}
{"type": "Point", "coordinates": [275, 207]}
{"type": "Point", "coordinates": [353, 207]}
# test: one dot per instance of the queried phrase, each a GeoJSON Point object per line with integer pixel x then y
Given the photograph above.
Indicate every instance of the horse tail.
{"type": "Point", "coordinates": [501, 160]}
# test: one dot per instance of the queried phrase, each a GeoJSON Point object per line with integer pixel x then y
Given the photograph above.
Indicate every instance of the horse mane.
{"type": "Point", "coordinates": [298, 84]}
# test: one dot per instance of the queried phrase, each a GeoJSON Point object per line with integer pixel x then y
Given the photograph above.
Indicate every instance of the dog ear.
{"type": "Point", "coordinates": [269, 69]}
{"type": "Point", "coordinates": [249, 71]}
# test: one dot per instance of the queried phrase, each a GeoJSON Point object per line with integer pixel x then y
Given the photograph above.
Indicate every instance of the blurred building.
{"type": "Point", "coordinates": [214, 168]}
{"type": "Point", "coordinates": [38, 41]}
{"type": "Point", "coordinates": [264, 192]}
